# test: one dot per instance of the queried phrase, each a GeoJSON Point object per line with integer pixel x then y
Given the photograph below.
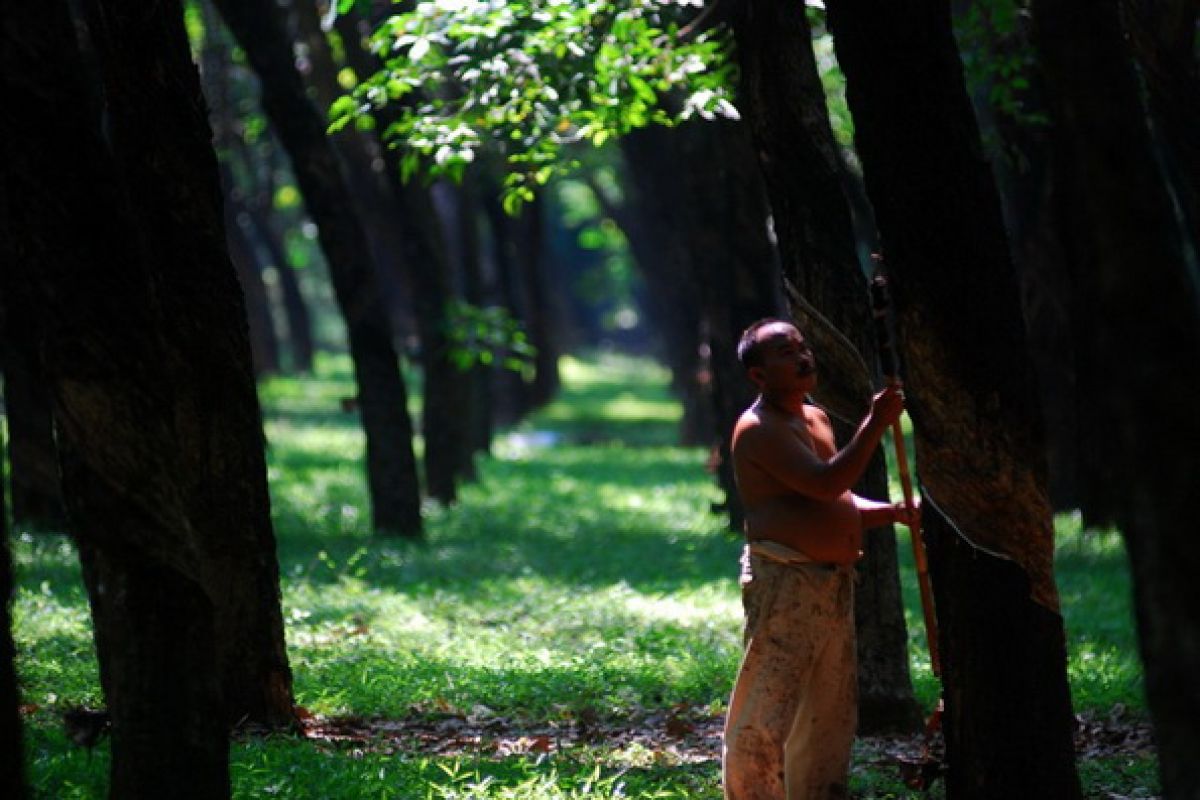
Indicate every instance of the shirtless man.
{"type": "Point", "coordinates": [794, 707]}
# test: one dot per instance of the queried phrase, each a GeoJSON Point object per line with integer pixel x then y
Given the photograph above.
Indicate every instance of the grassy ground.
{"type": "Point", "coordinates": [570, 629]}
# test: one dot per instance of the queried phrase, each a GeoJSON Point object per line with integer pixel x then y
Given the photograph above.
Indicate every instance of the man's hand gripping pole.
{"type": "Point", "coordinates": [880, 303]}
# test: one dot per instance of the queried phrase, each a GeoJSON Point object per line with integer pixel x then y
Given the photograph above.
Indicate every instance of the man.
{"type": "Point", "coordinates": [794, 707]}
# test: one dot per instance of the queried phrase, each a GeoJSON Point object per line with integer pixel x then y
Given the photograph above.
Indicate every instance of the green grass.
{"type": "Point", "coordinates": [581, 580]}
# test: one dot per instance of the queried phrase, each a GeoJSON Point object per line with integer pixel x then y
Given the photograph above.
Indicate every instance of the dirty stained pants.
{"type": "Point", "coordinates": [794, 707]}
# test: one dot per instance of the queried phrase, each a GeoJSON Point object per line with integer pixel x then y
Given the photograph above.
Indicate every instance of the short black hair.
{"type": "Point", "coordinates": [749, 350]}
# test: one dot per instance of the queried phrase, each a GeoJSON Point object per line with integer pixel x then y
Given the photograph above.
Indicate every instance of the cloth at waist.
{"type": "Point", "coordinates": [782, 554]}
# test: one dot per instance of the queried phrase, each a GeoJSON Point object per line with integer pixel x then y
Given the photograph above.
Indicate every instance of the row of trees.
{"type": "Point", "coordinates": [134, 331]}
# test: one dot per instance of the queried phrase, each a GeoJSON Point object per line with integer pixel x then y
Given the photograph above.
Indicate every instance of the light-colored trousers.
{"type": "Point", "coordinates": [794, 708]}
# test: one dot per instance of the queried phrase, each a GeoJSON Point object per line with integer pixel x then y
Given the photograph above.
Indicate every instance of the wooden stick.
{"type": "Point", "coordinates": [888, 362]}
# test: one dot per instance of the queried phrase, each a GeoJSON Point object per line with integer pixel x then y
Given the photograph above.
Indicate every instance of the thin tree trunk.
{"type": "Point", "coordinates": [1139, 347]}
{"type": "Point", "coordinates": [806, 176]}
{"type": "Point", "coordinates": [980, 446]}
{"type": "Point", "coordinates": [383, 398]}
{"type": "Point", "coordinates": [295, 307]}
{"type": "Point", "coordinates": [427, 267]}
{"type": "Point", "coordinates": [264, 344]}
{"type": "Point", "coordinates": [540, 322]}
{"type": "Point", "coordinates": [33, 463]}
{"type": "Point", "coordinates": [659, 248]}
{"type": "Point", "coordinates": [12, 777]}
{"type": "Point", "coordinates": [109, 369]}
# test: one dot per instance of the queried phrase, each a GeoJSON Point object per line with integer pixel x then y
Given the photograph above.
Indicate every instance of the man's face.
{"type": "Point", "coordinates": [787, 363]}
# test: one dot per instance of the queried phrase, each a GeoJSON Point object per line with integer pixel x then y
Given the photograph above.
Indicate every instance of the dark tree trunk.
{"type": "Point", "coordinates": [295, 308]}
{"type": "Point", "coordinates": [111, 368]}
{"type": "Point", "coordinates": [12, 778]}
{"type": "Point", "coordinates": [658, 242]}
{"type": "Point", "coordinates": [513, 399]}
{"type": "Point", "coordinates": [33, 462]}
{"type": "Point", "coordinates": [719, 214]}
{"type": "Point", "coordinates": [264, 344]}
{"type": "Point", "coordinates": [428, 273]}
{"type": "Point", "coordinates": [539, 321]}
{"type": "Point", "coordinates": [216, 61]}
{"type": "Point", "coordinates": [980, 447]}
{"type": "Point", "coordinates": [1138, 310]}
{"type": "Point", "coordinates": [1162, 34]}
{"type": "Point", "coordinates": [784, 103]}
{"type": "Point", "coordinates": [1021, 163]}
{"type": "Point", "coordinates": [458, 210]}
{"type": "Point", "coordinates": [162, 143]}
{"type": "Point", "coordinates": [391, 466]}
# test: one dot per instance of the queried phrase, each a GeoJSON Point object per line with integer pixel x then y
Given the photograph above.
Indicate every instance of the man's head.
{"type": "Point", "coordinates": [777, 358]}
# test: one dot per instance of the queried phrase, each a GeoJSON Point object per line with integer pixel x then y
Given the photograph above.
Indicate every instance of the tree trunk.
{"type": "Point", "coordinates": [111, 368]}
{"type": "Point", "coordinates": [1138, 311]}
{"type": "Point", "coordinates": [980, 446]}
{"type": "Point", "coordinates": [428, 272]}
{"type": "Point", "coordinates": [162, 143]}
{"type": "Point", "coordinates": [659, 247]}
{"type": "Point", "coordinates": [264, 344]}
{"type": "Point", "coordinates": [12, 778]}
{"type": "Point", "coordinates": [33, 463]}
{"type": "Point", "coordinates": [458, 210]}
{"type": "Point", "coordinates": [719, 213]}
{"type": "Point", "coordinates": [784, 103]}
{"type": "Point", "coordinates": [383, 398]}
{"type": "Point", "coordinates": [295, 308]}
{"type": "Point", "coordinates": [540, 321]}
{"type": "Point", "coordinates": [513, 400]}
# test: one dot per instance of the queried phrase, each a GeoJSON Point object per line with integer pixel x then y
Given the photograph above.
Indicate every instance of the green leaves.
{"type": "Point", "coordinates": [529, 79]}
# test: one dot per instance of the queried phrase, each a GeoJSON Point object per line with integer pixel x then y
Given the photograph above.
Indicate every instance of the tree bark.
{"type": "Point", "coordinates": [264, 344]}
{"type": "Point", "coordinates": [295, 307]}
{"type": "Point", "coordinates": [719, 213]}
{"type": "Point", "coordinates": [658, 243]}
{"type": "Point", "coordinates": [428, 272]}
{"type": "Point", "coordinates": [12, 777]}
{"type": "Point", "coordinates": [784, 103]}
{"type": "Point", "coordinates": [391, 466]}
{"type": "Point", "coordinates": [162, 142]}
{"type": "Point", "coordinates": [33, 463]}
{"type": "Point", "coordinates": [980, 447]}
{"type": "Point", "coordinates": [111, 365]}
{"type": "Point", "coordinates": [1138, 311]}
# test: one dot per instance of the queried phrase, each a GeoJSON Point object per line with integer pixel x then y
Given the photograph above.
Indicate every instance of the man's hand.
{"type": "Point", "coordinates": [909, 517]}
{"type": "Point", "coordinates": [886, 407]}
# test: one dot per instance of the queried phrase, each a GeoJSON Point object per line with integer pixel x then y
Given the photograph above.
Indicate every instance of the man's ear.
{"type": "Point", "coordinates": [757, 376]}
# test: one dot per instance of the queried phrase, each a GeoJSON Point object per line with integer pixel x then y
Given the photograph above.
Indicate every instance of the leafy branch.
{"type": "Point", "coordinates": [528, 78]}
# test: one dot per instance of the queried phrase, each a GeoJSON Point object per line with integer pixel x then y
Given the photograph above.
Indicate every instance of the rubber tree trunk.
{"type": "Point", "coordinates": [216, 61]}
{"type": "Point", "coordinates": [1162, 35]}
{"type": "Point", "coordinates": [33, 463]}
{"type": "Point", "coordinates": [264, 344]}
{"type": "Point", "coordinates": [383, 398]}
{"type": "Point", "coordinates": [459, 212]}
{"type": "Point", "coordinates": [719, 214]}
{"type": "Point", "coordinates": [295, 308]}
{"type": "Point", "coordinates": [660, 249]}
{"type": "Point", "coordinates": [513, 396]}
{"type": "Point", "coordinates": [12, 773]}
{"type": "Point", "coordinates": [1139, 314]}
{"type": "Point", "coordinates": [784, 105]}
{"type": "Point", "coordinates": [1021, 163]}
{"type": "Point", "coordinates": [109, 365]}
{"type": "Point", "coordinates": [427, 270]}
{"type": "Point", "coordinates": [979, 443]}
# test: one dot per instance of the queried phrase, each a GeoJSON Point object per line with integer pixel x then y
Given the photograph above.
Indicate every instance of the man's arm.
{"type": "Point", "coordinates": [876, 514]}
{"type": "Point", "coordinates": [782, 455]}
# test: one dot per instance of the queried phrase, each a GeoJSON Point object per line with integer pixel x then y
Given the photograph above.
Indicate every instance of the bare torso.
{"type": "Point", "coordinates": [822, 529]}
